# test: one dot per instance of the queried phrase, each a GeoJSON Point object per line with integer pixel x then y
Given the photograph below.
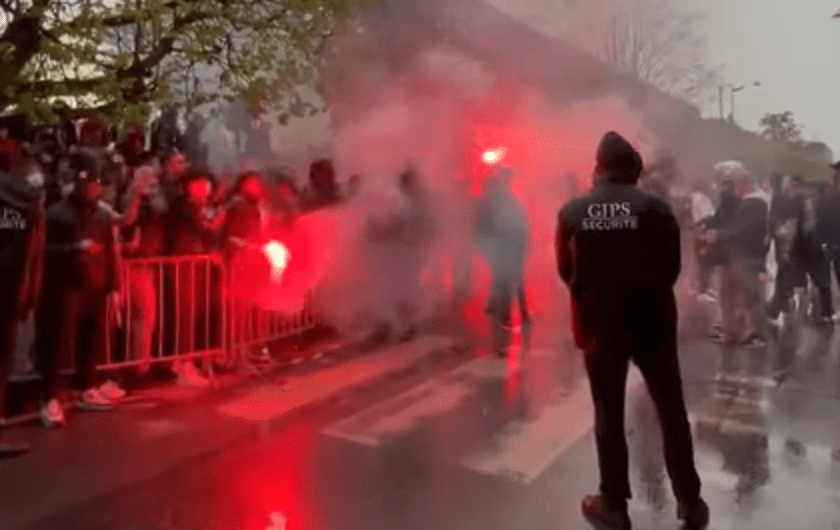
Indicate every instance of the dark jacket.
{"type": "Point", "coordinates": [745, 235]}
{"type": "Point", "coordinates": [22, 233]}
{"type": "Point", "coordinates": [243, 221]}
{"type": "Point", "coordinates": [828, 217]}
{"type": "Point", "coordinates": [618, 250]}
{"type": "Point", "coordinates": [189, 233]}
{"type": "Point", "coordinates": [70, 222]}
{"type": "Point", "coordinates": [725, 211]}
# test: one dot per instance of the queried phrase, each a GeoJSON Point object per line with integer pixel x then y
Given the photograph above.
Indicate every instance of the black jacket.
{"type": "Point", "coordinates": [828, 218]}
{"type": "Point", "coordinates": [22, 231]}
{"type": "Point", "coordinates": [618, 248]}
{"type": "Point", "coordinates": [70, 222]}
{"type": "Point", "coordinates": [189, 232]}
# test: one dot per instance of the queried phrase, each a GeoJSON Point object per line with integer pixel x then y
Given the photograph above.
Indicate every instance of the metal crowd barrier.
{"type": "Point", "coordinates": [173, 309]}
{"type": "Point", "coordinates": [177, 309]}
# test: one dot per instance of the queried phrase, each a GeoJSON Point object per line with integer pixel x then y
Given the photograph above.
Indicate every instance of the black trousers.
{"type": "Point", "coordinates": [654, 350]}
{"type": "Point", "coordinates": [8, 341]}
{"type": "Point", "coordinates": [71, 320]}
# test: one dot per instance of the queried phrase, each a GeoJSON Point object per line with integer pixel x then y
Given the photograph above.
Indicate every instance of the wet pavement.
{"type": "Point", "coordinates": [452, 443]}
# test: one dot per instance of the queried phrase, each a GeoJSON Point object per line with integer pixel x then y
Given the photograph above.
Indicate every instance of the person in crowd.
{"type": "Point", "coordinates": [397, 238]}
{"type": "Point", "coordinates": [785, 215]}
{"type": "Point", "coordinates": [619, 253]}
{"type": "Point", "coordinates": [323, 189]}
{"type": "Point", "coordinates": [828, 225]}
{"type": "Point", "coordinates": [811, 253]}
{"type": "Point", "coordinates": [502, 237]}
{"type": "Point", "coordinates": [80, 275]}
{"type": "Point", "coordinates": [144, 238]}
{"type": "Point", "coordinates": [10, 151]}
{"type": "Point", "coordinates": [246, 218]}
{"type": "Point", "coordinates": [175, 167]}
{"type": "Point", "coordinates": [22, 230]}
{"type": "Point", "coordinates": [745, 240]}
{"type": "Point", "coordinates": [132, 147]}
{"type": "Point", "coordinates": [702, 211]}
{"type": "Point", "coordinates": [191, 232]}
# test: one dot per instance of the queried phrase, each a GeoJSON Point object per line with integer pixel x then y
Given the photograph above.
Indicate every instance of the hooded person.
{"type": "Point", "coordinates": [21, 263]}
{"type": "Point", "coordinates": [502, 236]}
{"type": "Point", "coordinates": [618, 251]}
{"type": "Point", "coordinates": [80, 274]}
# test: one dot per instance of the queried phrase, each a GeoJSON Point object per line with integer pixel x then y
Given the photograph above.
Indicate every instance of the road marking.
{"type": "Point", "coordinates": [398, 415]}
{"type": "Point", "coordinates": [272, 401]}
{"type": "Point", "coordinates": [524, 455]}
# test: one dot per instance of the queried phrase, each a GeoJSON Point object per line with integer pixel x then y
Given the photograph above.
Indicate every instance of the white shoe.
{"type": "Point", "coordinates": [189, 376]}
{"type": "Point", "coordinates": [92, 399]}
{"type": "Point", "coordinates": [52, 414]}
{"type": "Point", "coordinates": [112, 391]}
{"type": "Point", "coordinates": [706, 298]}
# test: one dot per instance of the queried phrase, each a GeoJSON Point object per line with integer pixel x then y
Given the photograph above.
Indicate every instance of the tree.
{"type": "Point", "coordinates": [653, 40]}
{"type": "Point", "coordinates": [781, 127]}
{"type": "Point", "coordinates": [122, 56]}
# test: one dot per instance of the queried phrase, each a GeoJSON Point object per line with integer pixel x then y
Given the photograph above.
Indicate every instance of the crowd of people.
{"type": "Point", "coordinates": [762, 251]}
{"type": "Point", "coordinates": [77, 199]}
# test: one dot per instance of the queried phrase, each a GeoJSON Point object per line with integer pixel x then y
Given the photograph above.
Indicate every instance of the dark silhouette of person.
{"type": "Point", "coordinates": [618, 251]}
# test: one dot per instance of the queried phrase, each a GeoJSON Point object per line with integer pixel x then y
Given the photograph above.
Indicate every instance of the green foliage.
{"type": "Point", "coordinates": [124, 56]}
{"type": "Point", "coordinates": [781, 127]}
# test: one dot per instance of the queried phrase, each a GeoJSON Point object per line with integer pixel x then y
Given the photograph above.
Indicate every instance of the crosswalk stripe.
{"type": "Point", "coordinates": [272, 401]}
{"type": "Point", "coordinates": [524, 455]}
{"type": "Point", "coordinates": [372, 426]}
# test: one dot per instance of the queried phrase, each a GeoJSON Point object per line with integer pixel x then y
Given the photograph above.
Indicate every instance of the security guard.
{"type": "Point", "coordinates": [618, 251]}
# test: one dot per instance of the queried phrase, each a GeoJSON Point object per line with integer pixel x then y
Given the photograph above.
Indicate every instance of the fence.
{"type": "Point", "coordinates": [176, 309]}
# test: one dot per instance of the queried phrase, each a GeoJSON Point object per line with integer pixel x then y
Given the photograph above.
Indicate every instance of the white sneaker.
{"type": "Point", "coordinates": [112, 391]}
{"type": "Point", "coordinates": [189, 376]}
{"type": "Point", "coordinates": [706, 298]}
{"type": "Point", "coordinates": [92, 399]}
{"type": "Point", "coordinates": [52, 414]}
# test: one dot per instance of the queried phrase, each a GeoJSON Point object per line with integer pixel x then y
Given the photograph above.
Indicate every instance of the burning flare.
{"type": "Point", "coordinates": [278, 257]}
{"type": "Point", "coordinates": [493, 156]}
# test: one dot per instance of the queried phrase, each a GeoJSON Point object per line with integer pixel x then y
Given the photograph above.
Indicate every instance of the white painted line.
{"type": "Point", "coordinates": [398, 415]}
{"type": "Point", "coordinates": [272, 401]}
{"type": "Point", "coordinates": [523, 456]}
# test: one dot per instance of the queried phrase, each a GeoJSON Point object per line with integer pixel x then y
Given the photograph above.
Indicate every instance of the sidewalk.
{"type": "Point", "coordinates": [165, 427]}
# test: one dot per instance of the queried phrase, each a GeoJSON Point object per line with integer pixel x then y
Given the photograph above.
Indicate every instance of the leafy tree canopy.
{"type": "Point", "coordinates": [124, 56]}
{"type": "Point", "coordinates": [781, 127]}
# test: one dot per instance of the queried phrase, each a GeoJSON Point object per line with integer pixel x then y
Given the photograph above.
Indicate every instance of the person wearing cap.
{"type": "Point", "coordinates": [618, 251]}
{"type": "Point", "coordinates": [21, 263]}
{"type": "Point", "coordinates": [80, 275]}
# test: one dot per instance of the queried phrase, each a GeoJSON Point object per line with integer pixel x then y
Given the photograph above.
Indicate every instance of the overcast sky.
{"type": "Point", "coordinates": [792, 47]}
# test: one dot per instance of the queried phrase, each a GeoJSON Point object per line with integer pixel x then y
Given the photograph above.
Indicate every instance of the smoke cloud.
{"type": "Point", "coordinates": [433, 104]}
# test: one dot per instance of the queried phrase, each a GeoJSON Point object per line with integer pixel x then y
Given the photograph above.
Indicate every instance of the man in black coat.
{"type": "Point", "coordinates": [618, 251]}
{"type": "Point", "coordinates": [21, 263]}
{"type": "Point", "coordinates": [80, 274]}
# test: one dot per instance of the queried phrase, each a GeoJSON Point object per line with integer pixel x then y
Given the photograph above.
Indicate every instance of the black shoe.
{"type": "Point", "coordinates": [601, 513]}
{"type": "Point", "coordinates": [694, 517]}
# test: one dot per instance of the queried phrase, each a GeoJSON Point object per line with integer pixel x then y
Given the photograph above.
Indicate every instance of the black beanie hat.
{"type": "Point", "coordinates": [617, 154]}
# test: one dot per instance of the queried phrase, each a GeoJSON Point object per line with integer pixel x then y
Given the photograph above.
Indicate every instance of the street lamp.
{"type": "Point", "coordinates": [733, 90]}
